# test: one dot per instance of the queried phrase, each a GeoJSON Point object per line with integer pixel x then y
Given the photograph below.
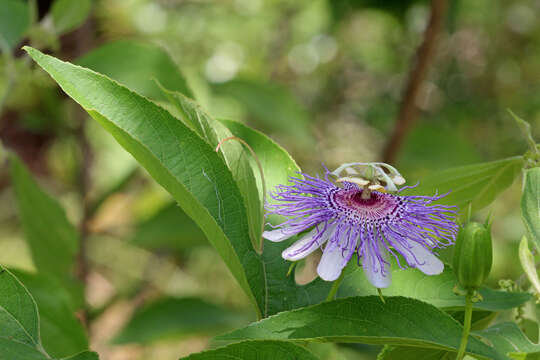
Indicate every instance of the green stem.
{"type": "Point", "coordinates": [335, 287]}
{"type": "Point", "coordinates": [466, 326]}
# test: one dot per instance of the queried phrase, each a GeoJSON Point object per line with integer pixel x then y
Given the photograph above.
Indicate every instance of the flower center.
{"type": "Point", "coordinates": [377, 206]}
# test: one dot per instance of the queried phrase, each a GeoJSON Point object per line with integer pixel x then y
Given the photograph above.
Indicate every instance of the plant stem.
{"type": "Point", "coordinates": [466, 326]}
{"type": "Point", "coordinates": [335, 287]}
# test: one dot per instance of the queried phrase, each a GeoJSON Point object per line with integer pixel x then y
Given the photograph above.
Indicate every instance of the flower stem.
{"type": "Point", "coordinates": [466, 326]}
{"type": "Point", "coordinates": [335, 287]}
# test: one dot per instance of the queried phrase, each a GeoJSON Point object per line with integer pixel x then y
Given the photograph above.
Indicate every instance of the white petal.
{"type": "Point", "coordinates": [293, 252]}
{"type": "Point", "coordinates": [429, 264]}
{"type": "Point", "coordinates": [373, 269]}
{"type": "Point", "coordinates": [423, 259]}
{"type": "Point", "coordinates": [332, 262]}
{"type": "Point", "coordinates": [278, 235]}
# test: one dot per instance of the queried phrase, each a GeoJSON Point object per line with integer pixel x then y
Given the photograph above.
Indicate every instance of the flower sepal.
{"type": "Point", "coordinates": [473, 255]}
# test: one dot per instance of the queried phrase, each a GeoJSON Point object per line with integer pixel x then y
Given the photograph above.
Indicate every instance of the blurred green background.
{"type": "Point", "coordinates": [323, 78]}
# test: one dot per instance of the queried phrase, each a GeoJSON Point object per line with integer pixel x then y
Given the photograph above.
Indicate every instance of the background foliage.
{"type": "Point", "coordinates": [114, 265]}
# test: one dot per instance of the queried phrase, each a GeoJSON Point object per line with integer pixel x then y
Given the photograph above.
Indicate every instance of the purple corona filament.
{"type": "Point", "coordinates": [342, 221]}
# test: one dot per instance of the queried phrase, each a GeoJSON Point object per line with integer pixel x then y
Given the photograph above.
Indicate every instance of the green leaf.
{"type": "Point", "coordinates": [278, 166]}
{"type": "Point", "coordinates": [507, 338]}
{"type": "Point", "coordinates": [61, 332]}
{"type": "Point", "coordinates": [434, 289]}
{"type": "Point", "coordinates": [20, 322]}
{"type": "Point", "coordinates": [87, 355]}
{"type": "Point", "coordinates": [477, 184]}
{"type": "Point", "coordinates": [177, 158]}
{"type": "Point", "coordinates": [398, 321]}
{"type": "Point", "coordinates": [68, 14]}
{"type": "Point", "coordinates": [276, 162]}
{"type": "Point", "coordinates": [272, 105]}
{"type": "Point", "coordinates": [530, 205]}
{"type": "Point", "coordinates": [260, 350]}
{"type": "Point", "coordinates": [14, 21]}
{"type": "Point", "coordinates": [136, 64]}
{"type": "Point", "coordinates": [169, 318]}
{"type": "Point", "coordinates": [19, 318]}
{"type": "Point", "coordinates": [526, 258]}
{"type": "Point", "coordinates": [13, 350]}
{"type": "Point", "coordinates": [169, 228]}
{"type": "Point", "coordinates": [235, 156]}
{"type": "Point", "coordinates": [52, 239]}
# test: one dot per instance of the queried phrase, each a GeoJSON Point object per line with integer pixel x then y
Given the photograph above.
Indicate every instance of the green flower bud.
{"type": "Point", "coordinates": [472, 255]}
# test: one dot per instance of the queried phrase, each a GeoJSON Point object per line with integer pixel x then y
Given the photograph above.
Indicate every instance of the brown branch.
{"type": "Point", "coordinates": [424, 57]}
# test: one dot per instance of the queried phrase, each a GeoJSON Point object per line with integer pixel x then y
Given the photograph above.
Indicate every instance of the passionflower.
{"type": "Point", "coordinates": [361, 213]}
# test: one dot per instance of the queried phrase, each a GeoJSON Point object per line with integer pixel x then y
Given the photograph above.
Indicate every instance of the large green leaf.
{"type": "Point", "coordinates": [14, 20]}
{"type": "Point", "coordinates": [477, 184]}
{"type": "Point", "coordinates": [52, 239]}
{"type": "Point", "coordinates": [260, 350]}
{"type": "Point", "coordinates": [530, 204]}
{"type": "Point", "coordinates": [69, 14]}
{"type": "Point", "coordinates": [61, 332]}
{"type": "Point", "coordinates": [136, 65]}
{"type": "Point", "coordinates": [434, 289]}
{"type": "Point", "coordinates": [177, 158]}
{"type": "Point", "coordinates": [398, 321]}
{"type": "Point", "coordinates": [174, 317]}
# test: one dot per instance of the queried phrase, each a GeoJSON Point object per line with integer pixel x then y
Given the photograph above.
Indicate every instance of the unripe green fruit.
{"type": "Point", "coordinates": [473, 255]}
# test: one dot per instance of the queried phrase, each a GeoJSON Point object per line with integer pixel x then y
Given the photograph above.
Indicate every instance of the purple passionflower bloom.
{"type": "Point", "coordinates": [374, 226]}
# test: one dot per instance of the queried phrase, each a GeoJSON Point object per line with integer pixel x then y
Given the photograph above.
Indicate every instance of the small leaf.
{"type": "Point", "coordinates": [527, 263]}
{"type": "Point", "coordinates": [530, 205]}
{"type": "Point", "coordinates": [68, 14]}
{"type": "Point", "coordinates": [136, 64]}
{"type": "Point", "coordinates": [14, 21]}
{"type": "Point", "coordinates": [52, 239]}
{"type": "Point", "coordinates": [398, 321]}
{"type": "Point", "coordinates": [477, 184]}
{"type": "Point", "coordinates": [19, 319]}
{"type": "Point", "coordinates": [260, 350]}
{"type": "Point", "coordinates": [170, 318]}
{"type": "Point", "coordinates": [13, 350]}
{"type": "Point", "coordinates": [61, 331]}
